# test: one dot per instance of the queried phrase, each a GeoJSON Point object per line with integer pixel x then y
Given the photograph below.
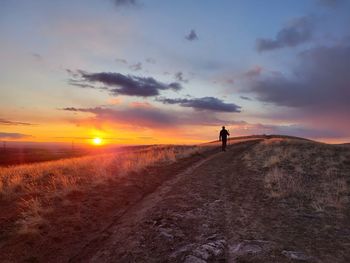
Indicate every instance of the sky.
{"type": "Point", "coordinates": [159, 71]}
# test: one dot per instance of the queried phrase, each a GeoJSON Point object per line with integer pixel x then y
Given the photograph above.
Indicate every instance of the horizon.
{"type": "Point", "coordinates": [107, 145]}
{"type": "Point", "coordinates": [110, 73]}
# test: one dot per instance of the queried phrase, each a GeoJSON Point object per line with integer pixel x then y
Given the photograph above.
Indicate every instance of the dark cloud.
{"type": "Point", "coordinates": [179, 77]}
{"type": "Point", "coordinates": [297, 32]}
{"type": "Point", "coordinates": [192, 35]}
{"type": "Point", "coordinates": [319, 83]}
{"type": "Point", "coordinates": [121, 60]}
{"type": "Point", "coordinates": [149, 117]}
{"type": "Point", "coordinates": [37, 56]}
{"type": "Point", "coordinates": [205, 103]}
{"type": "Point", "coordinates": [14, 123]}
{"type": "Point", "coordinates": [125, 84]}
{"type": "Point", "coordinates": [85, 85]}
{"type": "Point", "coordinates": [245, 98]}
{"type": "Point", "coordinates": [13, 136]}
{"type": "Point", "coordinates": [136, 67]}
{"type": "Point", "coordinates": [125, 2]}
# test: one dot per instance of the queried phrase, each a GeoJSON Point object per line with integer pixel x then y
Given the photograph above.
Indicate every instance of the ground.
{"type": "Point", "coordinates": [214, 208]}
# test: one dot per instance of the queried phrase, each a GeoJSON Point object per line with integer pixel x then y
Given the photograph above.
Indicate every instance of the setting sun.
{"type": "Point", "coordinates": [97, 141]}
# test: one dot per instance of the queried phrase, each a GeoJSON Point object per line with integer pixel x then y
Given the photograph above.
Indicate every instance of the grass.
{"type": "Point", "coordinates": [315, 174]}
{"type": "Point", "coordinates": [33, 187]}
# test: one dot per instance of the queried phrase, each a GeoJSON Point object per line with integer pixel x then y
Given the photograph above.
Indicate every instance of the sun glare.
{"type": "Point", "coordinates": [97, 141]}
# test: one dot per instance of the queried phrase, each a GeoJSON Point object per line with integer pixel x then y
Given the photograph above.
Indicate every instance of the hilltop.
{"type": "Point", "coordinates": [267, 199]}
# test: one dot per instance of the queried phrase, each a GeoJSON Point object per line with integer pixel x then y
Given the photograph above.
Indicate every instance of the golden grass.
{"type": "Point", "coordinates": [34, 184]}
{"type": "Point", "coordinates": [314, 173]}
{"type": "Point", "coordinates": [31, 216]}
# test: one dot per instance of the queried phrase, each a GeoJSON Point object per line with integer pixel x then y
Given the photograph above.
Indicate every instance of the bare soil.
{"type": "Point", "coordinates": [207, 208]}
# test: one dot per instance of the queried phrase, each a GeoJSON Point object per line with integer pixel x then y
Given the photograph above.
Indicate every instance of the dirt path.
{"type": "Point", "coordinates": [215, 211]}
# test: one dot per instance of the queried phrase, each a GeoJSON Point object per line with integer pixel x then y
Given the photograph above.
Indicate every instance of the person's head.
{"type": "Point", "coordinates": [223, 127]}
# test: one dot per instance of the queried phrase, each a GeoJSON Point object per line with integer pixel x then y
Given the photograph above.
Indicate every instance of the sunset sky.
{"type": "Point", "coordinates": [158, 71]}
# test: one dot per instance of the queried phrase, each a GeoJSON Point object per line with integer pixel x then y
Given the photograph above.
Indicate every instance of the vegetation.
{"type": "Point", "coordinates": [314, 174]}
{"type": "Point", "coordinates": [33, 187]}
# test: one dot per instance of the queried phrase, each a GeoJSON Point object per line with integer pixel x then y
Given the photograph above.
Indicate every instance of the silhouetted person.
{"type": "Point", "coordinates": [223, 137]}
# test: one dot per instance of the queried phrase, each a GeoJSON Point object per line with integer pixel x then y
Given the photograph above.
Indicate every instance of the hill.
{"type": "Point", "coordinates": [267, 199]}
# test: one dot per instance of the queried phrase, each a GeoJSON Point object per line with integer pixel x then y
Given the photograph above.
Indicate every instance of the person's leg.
{"type": "Point", "coordinates": [224, 145]}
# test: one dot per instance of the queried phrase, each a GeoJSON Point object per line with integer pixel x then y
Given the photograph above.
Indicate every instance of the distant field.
{"type": "Point", "coordinates": [26, 155]}
{"type": "Point", "coordinates": [12, 156]}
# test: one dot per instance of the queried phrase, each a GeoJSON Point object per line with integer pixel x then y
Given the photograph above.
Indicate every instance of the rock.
{"type": "Point", "coordinates": [242, 249]}
{"type": "Point", "coordinates": [250, 247]}
{"type": "Point", "coordinates": [193, 259]}
{"type": "Point", "coordinates": [210, 250]}
{"type": "Point", "coordinates": [202, 253]}
{"type": "Point", "coordinates": [296, 255]}
{"type": "Point", "coordinates": [182, 250]}
{"type": "Point", "coordinates": [165, 233]}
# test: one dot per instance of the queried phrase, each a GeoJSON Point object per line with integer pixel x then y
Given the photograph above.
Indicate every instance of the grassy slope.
{"type": "Point", "coordinates": [44, 207]}
{"type": "Point", "coordinates": [315, 174]}
{"type": "Point", "coordinates": [52, 203]}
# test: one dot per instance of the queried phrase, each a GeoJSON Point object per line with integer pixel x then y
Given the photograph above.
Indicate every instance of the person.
{"type": "Point", "coordinates": [223, 138]}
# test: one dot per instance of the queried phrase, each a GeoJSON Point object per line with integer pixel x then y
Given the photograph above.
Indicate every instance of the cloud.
{"type": "Point", "coordinates": [205, 103]}
{"type": "Point", "coordinates": [37, 56]}
{"type": "Point", "coordinates": [192, 35]}
{"type": "Point", "coordinates": [13, 136]}
{"type": "Point", "coordinates": [245, 98]}
{"type": "Point", "coordinates": [179, 77]}
{"type": "Point", "coordinates": [295, 33]}
{"type": "Point", "coordinates": [252, 73]}
{"type": "Point", "coordinates": [125, 2]}
{"type": "Point", "coordinates": [85, 85]}
{"type": "Point", "coordinates": [14, 123]}
{"type": "Point", "coordinates": [121, 60]}
{"type": "Point", "coordinates": [146, 116]}
{"type": "Point", "coordinates": [119, 84]}
{"type": "Point", "coordinates": [320, 82]}
{"type": "Point", "coordinates": [136, 67]}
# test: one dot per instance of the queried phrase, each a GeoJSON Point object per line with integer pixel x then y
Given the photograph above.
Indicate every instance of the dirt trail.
{"type": "Point", "coordinates": [215, 211]}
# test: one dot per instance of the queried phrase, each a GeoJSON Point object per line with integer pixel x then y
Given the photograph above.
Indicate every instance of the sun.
{"type": "Point", "coordinates": [97, 141]}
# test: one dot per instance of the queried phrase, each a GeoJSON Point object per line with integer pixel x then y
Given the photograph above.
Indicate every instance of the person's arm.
{"type": "Point", "coordinates": [228, 133]}
{"type": "Point", "coordinates": [220, 136]}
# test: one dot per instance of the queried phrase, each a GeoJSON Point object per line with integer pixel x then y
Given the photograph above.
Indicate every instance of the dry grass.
{"type": "Point", "coordinates": [34, 185]}
{"type": "Point", "coordinates": [315, 174]}
{"type": "Point", "coordinates": [31, 216]}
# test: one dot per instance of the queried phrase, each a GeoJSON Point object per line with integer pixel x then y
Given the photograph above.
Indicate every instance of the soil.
{"type": "Point", "coordinates": [207, 208]}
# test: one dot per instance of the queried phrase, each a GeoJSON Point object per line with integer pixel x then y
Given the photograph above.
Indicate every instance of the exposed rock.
{"type": "Point", "coordinates": [193, 259]}
{"type": "Point", "coordinates": [166, 233]}
{"type": "Point", "coordinates": [182, 250]}
{"type": "Point", "coordinates": [250, 247]}
{"type": "Point", "coordinates": [296, 255]}
{"type": "Point", "coordinates": [214, 249]}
